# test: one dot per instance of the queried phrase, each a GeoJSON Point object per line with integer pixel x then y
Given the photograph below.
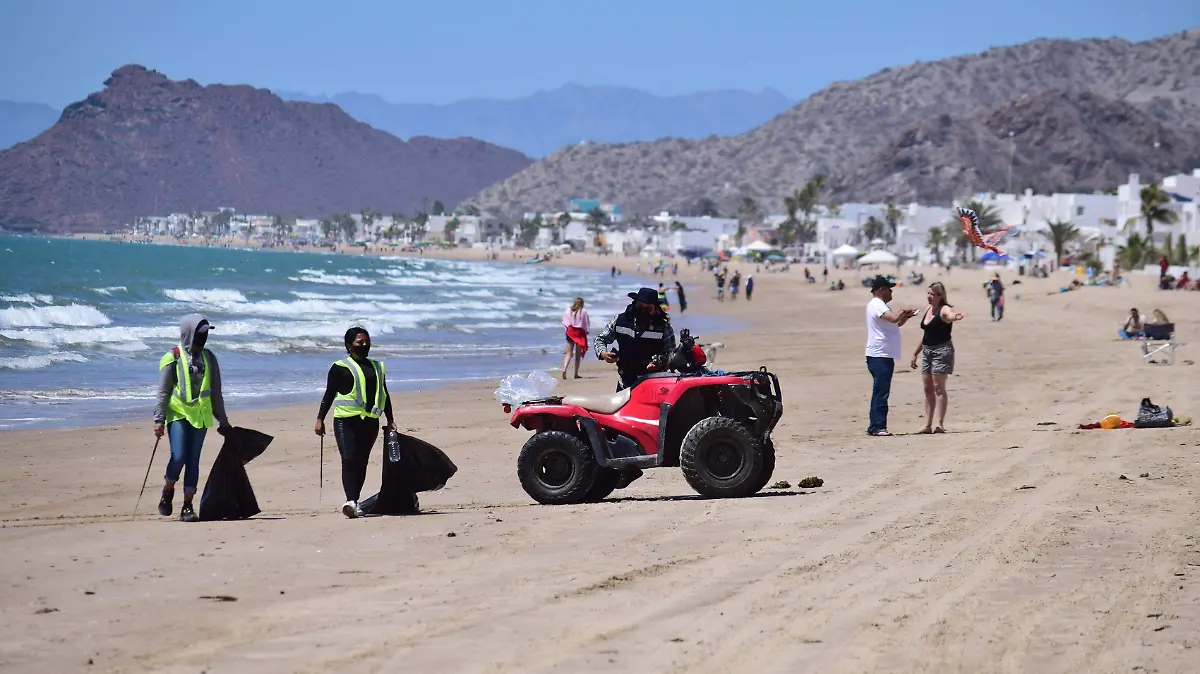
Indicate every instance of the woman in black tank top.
{"type": "Point", "coordinates": [936, 351]}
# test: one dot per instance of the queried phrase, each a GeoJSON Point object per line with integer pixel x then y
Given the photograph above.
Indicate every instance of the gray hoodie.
{"type": "Point", "coordinates": [167, 378]}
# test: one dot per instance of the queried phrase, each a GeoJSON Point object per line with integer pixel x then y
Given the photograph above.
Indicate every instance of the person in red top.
{"type": "Point", "coordinates": [1163, 263]}
{"type": "Point", "coordinates": [577, 325]}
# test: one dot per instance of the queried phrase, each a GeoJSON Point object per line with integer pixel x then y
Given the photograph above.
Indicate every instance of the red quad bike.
{"type": "Point", "coordinates": [716, 427]}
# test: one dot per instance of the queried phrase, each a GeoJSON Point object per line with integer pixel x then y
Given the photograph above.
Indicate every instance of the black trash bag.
{"type": "Point", "coordinates": [409, 466]}
{"type": "Point", "coordinates": [227, 493]}
{"type": "Point", "coordinates": [1153, 416]}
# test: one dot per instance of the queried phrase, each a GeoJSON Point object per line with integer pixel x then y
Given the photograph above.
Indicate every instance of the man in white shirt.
{"type": "Point", "coordinates": [883, 348]}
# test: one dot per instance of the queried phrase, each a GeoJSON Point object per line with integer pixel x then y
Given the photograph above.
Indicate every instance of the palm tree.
{"type": "Point", "coordinates": [1060, 234]}
{"type": "Point", "coordinates": [835, 211]}
{"type": "Point", "coordinates": [369, 216]}
{"type": "Point", "coordinates": [747, 214]}
{"type": "Point", "coordinates": [449, 229]}
{"type": "Point", "coordinates": [529, 231]}
{"type": "Point", "coordinates": [1182, 250]}
{"type": "Point", "coordinates": [793, 203]}
{"type": "Point", "coordinates": [438, 207]}
{"type": "Point", "coordinates": [706, 206]}
{"type": "Point", "coordinates": [1137, 251]}
{"type": "Point", "coordinates": [873, 229]}
{"type": "Point", "coordinates": [417, 231]}
{"type": "Point", "coordinates": [1166, 250]}
{"type": "Point", "coordinates": [597, 219]}
{"type": "Point", "coordinates": [561, 223]}
{"type": "Point", "coordinates": [1154, 208]}
{"type": "Point", "coordinates": [327, 228]}
{"type": "Point", "coordinates": [934, 240]}
{"type": "Point", "coordinates": [892, 216]}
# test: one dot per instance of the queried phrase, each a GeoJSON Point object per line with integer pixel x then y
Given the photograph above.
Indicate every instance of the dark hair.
{"type": "Point", "coordinates": [353, 334]}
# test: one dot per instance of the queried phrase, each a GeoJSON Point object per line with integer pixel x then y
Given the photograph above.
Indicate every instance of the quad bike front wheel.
{"type": "Point", "coordinates": [556, 468]}
{"type": "Point", "coordinates": [721, 459]}
{"type": "Point", "coordinates": [768, 467]}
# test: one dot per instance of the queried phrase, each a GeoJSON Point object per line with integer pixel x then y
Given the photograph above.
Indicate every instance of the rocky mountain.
{"type": "Point", "coordinates": [147, 145]}
{"type": "Point", "coordinates": [1062, 141]}
{"type": "Point", "coordinates": [21, 121]}
{"type": "Point", "coordinates": [548, 120]}
{"type": "Point", "coordinates": [843, 128]}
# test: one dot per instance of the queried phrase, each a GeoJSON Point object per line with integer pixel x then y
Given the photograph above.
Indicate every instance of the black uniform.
{"type": "Point", "coordinates": [639, 338]}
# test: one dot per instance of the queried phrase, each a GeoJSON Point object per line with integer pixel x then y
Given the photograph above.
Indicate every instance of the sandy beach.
{"type": "Point", "coordinates": [1010, 544]}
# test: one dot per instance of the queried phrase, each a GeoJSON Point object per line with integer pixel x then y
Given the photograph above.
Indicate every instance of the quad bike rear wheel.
{"type": "Point", "coordinates": [721, 459]}
{"type": "Point", "coordinates": [556, 468]}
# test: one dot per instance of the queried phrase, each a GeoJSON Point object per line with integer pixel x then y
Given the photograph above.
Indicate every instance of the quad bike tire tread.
{"type": "Point", "coordinates": [768, 466]}
{"type": "Point", "coordinates": [584, 471]}
{"type": "Point", "coordinates": [746, 482]}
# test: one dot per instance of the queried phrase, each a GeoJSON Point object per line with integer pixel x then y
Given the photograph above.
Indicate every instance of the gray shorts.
{"type": "Point", "coordinates": [938, 359]}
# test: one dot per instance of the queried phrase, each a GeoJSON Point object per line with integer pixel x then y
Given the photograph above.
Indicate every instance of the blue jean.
{"type": "Point", "coordinates": [1123, 334]}
{"type": "Point", "coordinates": [186, 441]}
{"type": "Point", "coordinates": [881, 370]}
{"type": "Point", "coordinates": [997, 309]}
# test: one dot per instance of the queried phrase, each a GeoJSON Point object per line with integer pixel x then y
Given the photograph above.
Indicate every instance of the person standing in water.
{"type": "Point", "coordinates": [189, 397]}
{"type": "Point", "coordinates": [577, 325]}
{"type": "Point", "coordinates": [357, 391]}
{"type": "Point", "coordinates": [682, 298]}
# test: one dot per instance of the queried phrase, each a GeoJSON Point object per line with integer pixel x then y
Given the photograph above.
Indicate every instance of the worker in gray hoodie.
{"type": "Point", "coordinates": [189, 397]}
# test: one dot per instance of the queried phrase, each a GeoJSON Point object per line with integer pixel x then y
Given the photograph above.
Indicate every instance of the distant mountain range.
{"type": "Point", "coordinates": [1082, 115]}
{"type": "Point", "coordinates": [21, 121]}
{"type": "Point", "coordinates": [550, 120]}
{"type": "Point", "coordinates": [146, 145]}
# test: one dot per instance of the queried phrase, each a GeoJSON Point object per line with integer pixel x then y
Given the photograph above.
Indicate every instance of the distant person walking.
{"type": "Point", "coordinates": [734, 283]}
{"type": "Point", "coordinates": [749, 287]}
{"type": "Point", "coordinates": [995, 293]}
{"type": "Point", "coordinates": [577, 325]}
{"type": "Point", "coordinates": [883, 348]}
{"type": "Point", "coordinates": [663, 302]}
{"type": "Point", "coordinates": [720, 286]}
{"type": "Point", "coordinates": [189, 397]}
{"type": "Point", "coordinates": [936, 352]}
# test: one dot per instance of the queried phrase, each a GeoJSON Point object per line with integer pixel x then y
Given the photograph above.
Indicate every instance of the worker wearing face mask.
{"type": "Point", "coordinates": [357, 392]}
{"type": "Point", "coordinates": [643, 337]}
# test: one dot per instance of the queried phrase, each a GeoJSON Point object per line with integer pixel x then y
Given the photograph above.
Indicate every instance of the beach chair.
{"type": "Point", "coordinates": [1159, 339]}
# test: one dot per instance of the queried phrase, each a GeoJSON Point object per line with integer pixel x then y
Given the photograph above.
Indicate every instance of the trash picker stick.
{"type": "Point", "coordinates": [321, 484]}
{"type": "Point", "coordinates": [145, 479]}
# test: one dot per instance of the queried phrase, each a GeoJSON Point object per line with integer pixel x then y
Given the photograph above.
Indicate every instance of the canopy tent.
{"type": "Point", "coordinates": [878, 257]}
{"type": "Point", "coordinates": [844, 251]}
{"type": "Point", "coordinates": [760, 247]}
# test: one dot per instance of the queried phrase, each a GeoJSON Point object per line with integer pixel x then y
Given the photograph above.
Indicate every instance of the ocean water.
{"type": "Point", "coordinates": [83, 323]}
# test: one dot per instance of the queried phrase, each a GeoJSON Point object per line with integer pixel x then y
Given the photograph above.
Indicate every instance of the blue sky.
{"type": "Point", "coordinates": [58, 51]}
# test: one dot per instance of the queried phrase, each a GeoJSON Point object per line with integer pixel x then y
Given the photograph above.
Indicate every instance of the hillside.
{"type": "Point", "coordinates": [548, 120]}
{"type": "Point", "coordinates": [147, 145]}
{"type": "Point", "coordinates": [842, 127]}
{"type": "Point", "coordinates": [21, 121]}
{"type": "Point", "coordinates": [1061, 142]}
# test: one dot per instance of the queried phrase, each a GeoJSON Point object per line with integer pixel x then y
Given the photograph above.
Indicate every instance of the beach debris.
{"type": "Point", "coordinates": [1026, 486]}
{"type": "Point", "coordinates": [782, 484]}
{"type": "Point", "coordinates": [88, 592]}
{"type": "Point", "coordinates": [44, 610]}
{"type": "Point", "coordinates": [219, 597]}
{"type": "Point", "coordinates": [1144, 475]}
{"type": "Point", "coordinates": [1122, 478]}
{"type": "Point", "coordinates": [451, 534]}
{"type": "Point", "coordinates": [943, 472]}
{"type": "Point", "coordinates": [1047, 423]}
{"type": "Point", "coordinates": [811, 482]}
{"type": "Point", "coordinates": [1159, 629]}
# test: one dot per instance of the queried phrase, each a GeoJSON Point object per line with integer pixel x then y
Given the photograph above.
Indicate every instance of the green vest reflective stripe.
{"type": "Point", "coordinates": [354, 403]}
{"type": "Point", "coordinates": [195, 406]}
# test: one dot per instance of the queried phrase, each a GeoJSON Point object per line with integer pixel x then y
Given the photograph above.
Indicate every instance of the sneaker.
{"type": "Point", "coordinates": [350, 509]}
{"type": "Point", "coordinates": [186, 514]}
{"type": "Point", "coordinates": [164, 504]}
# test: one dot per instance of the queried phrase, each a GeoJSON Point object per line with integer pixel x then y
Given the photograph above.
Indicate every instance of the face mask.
{"type": "Point", "coordinates": [361, 351]}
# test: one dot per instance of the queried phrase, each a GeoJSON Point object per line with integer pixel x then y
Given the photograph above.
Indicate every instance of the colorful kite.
{"type": "Point", "coordinates": [970, 225]}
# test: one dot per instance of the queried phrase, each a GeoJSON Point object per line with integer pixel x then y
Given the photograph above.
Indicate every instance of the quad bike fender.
{"type": "Point", "coordinates": [686, 384]}
{"type": "Point", "coordinates": [535, 417]}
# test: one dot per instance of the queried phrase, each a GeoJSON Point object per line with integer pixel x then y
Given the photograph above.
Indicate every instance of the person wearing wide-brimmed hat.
{"type": "Point", "coordinates": [640, 334]}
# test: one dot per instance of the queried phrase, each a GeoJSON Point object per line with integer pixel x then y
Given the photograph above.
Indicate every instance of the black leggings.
{"type": "Point", "coordinates": [355, 438]}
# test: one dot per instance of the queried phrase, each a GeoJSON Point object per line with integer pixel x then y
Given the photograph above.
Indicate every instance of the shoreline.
{"type": "Point", "coordinates": [703, 308]}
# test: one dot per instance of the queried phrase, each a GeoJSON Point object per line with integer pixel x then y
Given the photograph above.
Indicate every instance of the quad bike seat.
{"type": "Point", "coordinates": [604, 403]}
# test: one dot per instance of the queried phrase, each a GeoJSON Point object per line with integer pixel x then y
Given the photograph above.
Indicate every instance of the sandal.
{"type": "Point", "coordinates": [925, 431]}
{"type": "Point", "coordinates": [883, 433]}
{"type": "Point", "coordinates": [939, 429]}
